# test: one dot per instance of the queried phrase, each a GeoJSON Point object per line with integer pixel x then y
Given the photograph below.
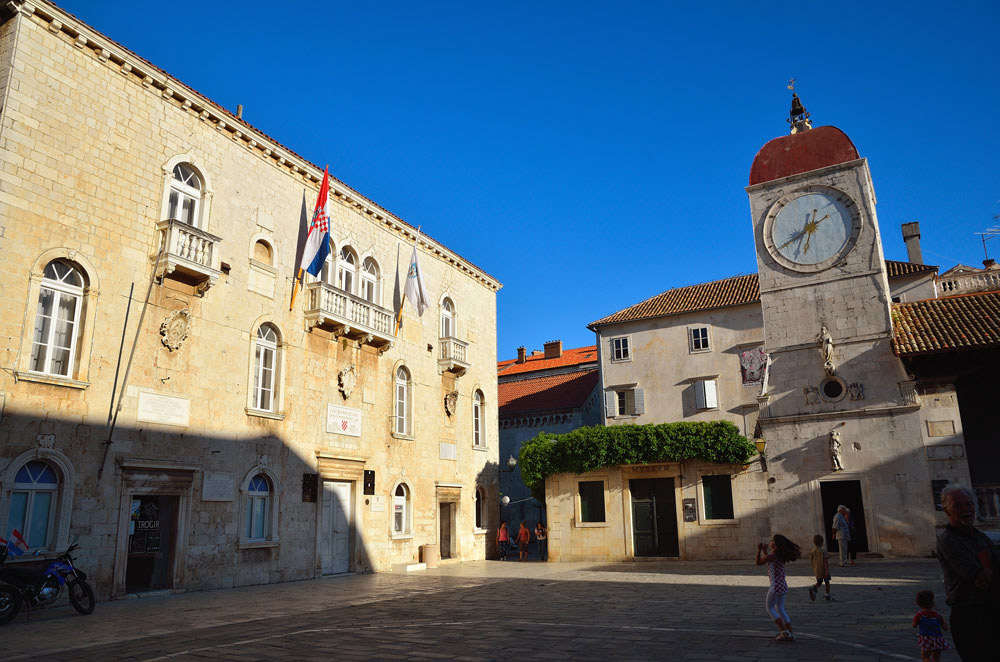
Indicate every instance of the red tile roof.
{"type": "Point", "coordinates": [801, 152]}
{"type": "Point", "coordinates": [894, 268]}
{"type": "Point", "coordinates": [717, 294]}
{"type": "Point", "coordinates": [535, 363]}
{"type": "Point", "coordinates": [734, 291]}
{"type": "Point", "coordinates": [565, 391]}
{"type": "Point", "coordinates": [934, 326]}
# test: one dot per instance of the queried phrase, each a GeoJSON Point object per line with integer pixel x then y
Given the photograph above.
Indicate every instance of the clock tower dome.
{"type": "Point", "coordinates": [840, 415]}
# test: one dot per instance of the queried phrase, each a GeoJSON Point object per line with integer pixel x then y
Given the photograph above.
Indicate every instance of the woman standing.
{"type": "Point", "coordinates": [523, 536]}
{"type": "Point", "coordinates": [541, 534]}
{"type": "Point", "coordinates": [503, 541]}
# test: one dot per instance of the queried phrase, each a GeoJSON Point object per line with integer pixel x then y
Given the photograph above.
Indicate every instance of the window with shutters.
{"type": "Point", "coordinates": [591, 500]}
{"type": "Point", "coordinates": [185, 195]}
{"type": "Point", "coordinates": [33, 504]}
{"type": "Point", "coordinates": [57, 319]}
{"type": "Point", "coordinates": [698, 339]}
{"type": "Point", "coordinates": [370, 281]}
{"type": "Point", "coordinates": [403, 418]}
{"type": "Point", "coordinates": [706, 394]}
{"type": "Point", "coordinates": [259, 491]}
{"type": "Point", "coordinates": [346, 268]}
{"type": "Point", "coordinates": [621, 349]}
{"type": "Point", "coordinates": [478, 436]}
{"type": "Point", "coordinates": [480, 498]}
{"type": "Point", "coordinates": [624, 402]}
{"type": "Point", "coordinates": [717, 497]}
{"type": "Point", "coordinates": [401, 515]}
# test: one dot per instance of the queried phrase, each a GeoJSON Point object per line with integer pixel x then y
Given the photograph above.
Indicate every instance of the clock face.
{"type": "Point", "coordinates": [811, 229]}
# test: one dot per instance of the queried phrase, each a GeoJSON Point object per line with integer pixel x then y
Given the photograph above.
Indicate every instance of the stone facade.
{"type": "Point", "coordinates": [249, 490]}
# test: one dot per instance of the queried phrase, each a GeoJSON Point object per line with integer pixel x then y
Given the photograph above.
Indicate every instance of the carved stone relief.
{"type": "Point", "coordinates": [347, 379]}
{"type": "Point", "coordinates": [856, 391]}
{"type": "Point", "coordinates": [451, 403]}
{"type": "Point", "coordinates": [175, 329]}
{"type": "Point", "coordinates": [811, 394]}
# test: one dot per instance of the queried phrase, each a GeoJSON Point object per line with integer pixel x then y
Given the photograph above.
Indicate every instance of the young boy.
{"type": "Point", "coordinates": [821, 568]}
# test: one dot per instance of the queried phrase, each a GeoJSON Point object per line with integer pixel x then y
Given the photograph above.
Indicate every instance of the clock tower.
{"type": "Point", "coordinates": [840, 415]}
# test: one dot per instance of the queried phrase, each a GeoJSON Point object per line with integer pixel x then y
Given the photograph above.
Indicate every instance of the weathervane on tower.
{"type": "Point", "coordinates": [798, 117]}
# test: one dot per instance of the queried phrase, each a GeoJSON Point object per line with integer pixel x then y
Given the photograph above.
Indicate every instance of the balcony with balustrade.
{"type": "Point", "coordinates": [190, 255]}
{"type": "Point", "coordinates": [452, 357]}
{"type": "Point", "coordinates": [347, 315]}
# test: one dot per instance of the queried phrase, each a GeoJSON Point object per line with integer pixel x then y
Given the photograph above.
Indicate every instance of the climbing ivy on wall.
{"type": "Point", "coordinates": [590, 448]}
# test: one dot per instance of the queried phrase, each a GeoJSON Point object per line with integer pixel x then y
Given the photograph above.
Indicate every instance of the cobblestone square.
{"type": "Point", "coordinates": [491, 610]}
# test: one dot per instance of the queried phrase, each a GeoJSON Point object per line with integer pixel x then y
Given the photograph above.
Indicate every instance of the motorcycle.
{"type": "Point", "coordinates": [38, 587]}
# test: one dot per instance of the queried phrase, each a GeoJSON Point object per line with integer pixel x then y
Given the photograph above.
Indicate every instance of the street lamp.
{"type": "Point", "coordinates": [761, 444]}
{"type": "Point", "coordinates": [511, 463]}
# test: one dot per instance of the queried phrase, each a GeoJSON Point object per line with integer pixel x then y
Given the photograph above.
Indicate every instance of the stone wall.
{"type": "Point", "coordinates": [87, 145]}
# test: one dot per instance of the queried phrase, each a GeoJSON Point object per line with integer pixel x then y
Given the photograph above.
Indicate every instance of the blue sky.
{"type": "Point", "coordinates": [593, 154]}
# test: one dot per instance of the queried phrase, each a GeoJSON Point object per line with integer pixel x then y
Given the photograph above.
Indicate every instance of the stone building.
{"type": "Point", "coordinates": [552, 391]}
{"type": "Point", "coordinates": [812, 355]}
{"type": "Point", "coordinates": [254, 443]}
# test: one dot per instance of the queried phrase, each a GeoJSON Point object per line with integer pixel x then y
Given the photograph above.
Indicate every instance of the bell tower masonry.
{"type": "Point", "coordinates": [840, 414]}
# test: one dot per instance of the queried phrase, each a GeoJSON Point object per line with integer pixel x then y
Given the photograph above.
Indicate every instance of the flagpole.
{"type": "Point", "coordinates": [295, 286]}
{"type": "Point", "coordinates": [399, 316]}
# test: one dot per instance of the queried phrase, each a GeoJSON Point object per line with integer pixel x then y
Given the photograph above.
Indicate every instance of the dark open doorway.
{"type": "Point", "coordinates": [847, 493]}
{"type": "Point", "coordinates": [654, 517]}
{"type": "Point", "coordinates": [150, 543]}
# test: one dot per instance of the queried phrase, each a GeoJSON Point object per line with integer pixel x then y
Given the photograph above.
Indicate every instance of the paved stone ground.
{"type": "Point", "coordinates": [495, 610]}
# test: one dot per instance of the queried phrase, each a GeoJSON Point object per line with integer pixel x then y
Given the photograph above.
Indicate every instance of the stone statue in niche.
{"type": "Point", "coordinates": [826, 348]}
{"type": "Point", "coordinates": [347, 379]}
{"type": "Point", "coordinates": [836, 451]}
{"type": "Point", "coordinates": [856, 391]}
{"type": "Point", "coordinates": [451, 403]}
{"type": "Point", "coordinates": [175, 329]}
{"type": "Point", "coordinates": [811, 394]}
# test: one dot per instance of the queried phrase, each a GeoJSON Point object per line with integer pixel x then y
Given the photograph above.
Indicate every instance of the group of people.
{"type": "Point", "coordinates": [966, 556]}
{"type": "Point", "coordinates": [522, 539]}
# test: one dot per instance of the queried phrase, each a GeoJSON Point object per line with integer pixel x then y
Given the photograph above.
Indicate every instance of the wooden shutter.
{"type": "Point", "coordinates": [711, 395]}
{"type": "Point", "coordinates": [610, 404]}
{"type": "Point", "coordinates": [640, 402]}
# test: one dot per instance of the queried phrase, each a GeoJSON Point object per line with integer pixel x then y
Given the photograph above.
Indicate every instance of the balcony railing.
{"type": "Point", "coordinates": [348, 315]}
{"type": "Point", "coordinates": [452, 357]}
{"type": "Point", "coordinates": [189, 255]}
{"type": "Point", "coordinates": [987, 502]}
{"type": "Point", "coordinates": [984, 281]}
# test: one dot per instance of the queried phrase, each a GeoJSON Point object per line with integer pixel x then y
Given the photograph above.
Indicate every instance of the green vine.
{"type": "Point", "coordinates": [590, 448]}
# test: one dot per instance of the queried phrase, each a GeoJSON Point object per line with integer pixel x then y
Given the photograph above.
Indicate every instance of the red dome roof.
{"type": "Point", "coordinates": [801, 152]}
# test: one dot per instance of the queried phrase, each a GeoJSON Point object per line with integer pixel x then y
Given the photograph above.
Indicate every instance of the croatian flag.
{"type": "Point", "coordinates": [318, 240]}
{"type": "Point", "coordinates": [15, 543]}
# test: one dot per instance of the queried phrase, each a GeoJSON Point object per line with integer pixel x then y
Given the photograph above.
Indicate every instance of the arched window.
{"type": "Point", "coordinates": [257, 508]}
{"type": "Point", "coordinates": [185, 195]}
{"type": "Point", "coordinates": [480, 508]}
{"type": "Point", "coordinates": [346, 266]}
{"type": "Point", "coordinates": [369, 280]}
{"type": "Point", "coordinates": [478, 438]}
{"type": "Point", "coordinates": [266, 367]}
{"type": "Point", "coordinates": [57, 321]}
{"type": "Point", "coordinates": [33, 504]}
{"type": "Point", "coordinates": [328, 272]}
{"type": "Point", "coordinates": [401, 509]}
{"type": "Point", "coordinates": [403, 424]}
{"type": "Point", "coordinates": [262, 252]}
{"type": "Point", "coordinates": [447, 319]}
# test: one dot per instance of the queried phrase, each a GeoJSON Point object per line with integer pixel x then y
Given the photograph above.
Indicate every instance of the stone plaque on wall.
{"type": "Point", "coordinates": [377, 504]}
{"type": "Point", "coordinates": [447, 451]}
{"type": "Point", "coordinates": [343, 420]}
{"type": "Point", "coordinates": [165, 409]}
{"type": "Point", "coordinates": [217, 486]}
{"type": "Point", "coordinates": [940, 428]}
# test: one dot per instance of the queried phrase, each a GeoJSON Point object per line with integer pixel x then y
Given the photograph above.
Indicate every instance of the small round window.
{"type": "Point", "coordinates": [833, 389]}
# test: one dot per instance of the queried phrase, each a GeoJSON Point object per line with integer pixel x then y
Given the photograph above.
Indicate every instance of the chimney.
{"type": "Point", "coordinates": [988, 263]}
{"type": "Point", "coordinates": [911, 237]}
{"type": "Point", "coordinates": [553, 349]}
{"type": "Point", "coordinates": [521, 358]}
{"type": "Point", "coordinates": [239, 111]}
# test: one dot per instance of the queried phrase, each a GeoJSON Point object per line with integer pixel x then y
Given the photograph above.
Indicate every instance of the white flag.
{"type": "Point", "coordinates": [414, 289]}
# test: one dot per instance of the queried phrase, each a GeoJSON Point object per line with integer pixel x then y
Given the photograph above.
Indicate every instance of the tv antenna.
{"type": "Point", "coordinates": [989, 234]}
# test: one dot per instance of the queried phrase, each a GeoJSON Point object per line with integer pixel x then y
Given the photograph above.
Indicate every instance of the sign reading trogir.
{"type": "Point", "coordinates": [343, 420]}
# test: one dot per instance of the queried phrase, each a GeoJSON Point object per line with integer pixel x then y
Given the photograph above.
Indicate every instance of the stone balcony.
{"type": "Point", "coordinates": [189, 255]}
{"type": "Point", "coordinates": [452, 357]}
{"type": "Point", "coordinates": [347, 315]}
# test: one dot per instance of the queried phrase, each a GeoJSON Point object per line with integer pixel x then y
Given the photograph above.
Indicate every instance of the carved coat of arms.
{"type": "Point", "coordinates": [347, 379]}
{"type": "Point", "coordinates": [451, 403]}
{"type": "Point", "coordinates": [175, 329]}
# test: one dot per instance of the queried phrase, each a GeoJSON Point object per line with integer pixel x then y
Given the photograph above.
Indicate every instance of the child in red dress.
{"type": "Point", "coordinates": [929, 626]}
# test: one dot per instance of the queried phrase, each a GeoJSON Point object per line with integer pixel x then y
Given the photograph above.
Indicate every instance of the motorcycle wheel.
{"type": "Point", "coordinates": [82, 596]}
{"type": "Point", "coordinates": [10, 603]}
